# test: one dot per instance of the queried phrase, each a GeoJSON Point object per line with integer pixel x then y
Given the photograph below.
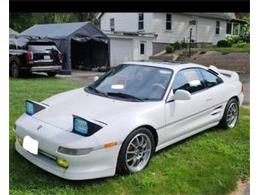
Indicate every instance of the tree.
{"type": "Point", "coordinates": [21, 21]}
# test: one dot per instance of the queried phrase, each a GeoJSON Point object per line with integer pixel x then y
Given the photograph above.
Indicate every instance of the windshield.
{"type": "Point", "coordinates": [134, 82]}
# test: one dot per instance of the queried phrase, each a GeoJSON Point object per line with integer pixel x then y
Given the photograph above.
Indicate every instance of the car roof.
{"type": "Point", "coordinates": [175, 65]}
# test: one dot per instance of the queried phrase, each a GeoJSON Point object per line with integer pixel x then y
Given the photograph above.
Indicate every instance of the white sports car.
{"type": "Point", "coordinates": [116, 124]}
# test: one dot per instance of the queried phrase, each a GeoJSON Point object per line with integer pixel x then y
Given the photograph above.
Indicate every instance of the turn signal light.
{"type": "Point", "coordinates": [109, 145]}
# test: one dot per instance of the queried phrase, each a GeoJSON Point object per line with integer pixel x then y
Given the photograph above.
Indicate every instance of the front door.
{"type": "Point", "coordinates": [183, 117]}
{"type": "Point", "coordinates": [142, 50]}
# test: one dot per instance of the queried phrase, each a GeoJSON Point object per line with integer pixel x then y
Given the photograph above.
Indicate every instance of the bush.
{"type": "Point", "coordinates": [183, 44]}
{"type": "Point", "coordinates": [233, 39]}
{"type": "Point", "coordinates": [224, 43]}
{"type": "Point", "coordinates": [169, 49]}
{"type": "Point", "coordinates": [176, 45]}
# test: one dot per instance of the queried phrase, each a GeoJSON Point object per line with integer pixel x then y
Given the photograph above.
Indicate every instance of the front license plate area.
{"type": "Point", "coordinates": [30, 144]}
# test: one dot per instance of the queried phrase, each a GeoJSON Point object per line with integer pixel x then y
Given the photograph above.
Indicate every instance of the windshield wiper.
{"type": "Point", "coordinates": [95, 90]}
{"type": "Point", "coordinates": [124, 95]}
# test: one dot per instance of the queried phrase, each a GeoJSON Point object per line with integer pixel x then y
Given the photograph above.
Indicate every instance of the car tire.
{"type": "Point", "coordinates": [52, 74]}
{"type": "Point", "coordinates": [134, 159]}
{"type": "Point", "coordinates": [14, 69]}
{"type": "Point", "coordinates": [230, 116]}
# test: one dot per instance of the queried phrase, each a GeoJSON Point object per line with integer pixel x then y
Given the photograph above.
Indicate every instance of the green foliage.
{"type": "Point", "coordinates": [233, 39]}
{"type": "Point", "coordinates": [21, 21]}
{"type": "Point", "coordinates": [176, 45]}
{"type": "Point", "coordinates": [223, 43]}
{"type": "Point", "coordinates": [184, 44]}
{"type": "Point", "coordinates": [208, 163]}
{"type": "Point", "coordinates": [169, 49]}
{"type": "Point", "coordinates": [241, 45]}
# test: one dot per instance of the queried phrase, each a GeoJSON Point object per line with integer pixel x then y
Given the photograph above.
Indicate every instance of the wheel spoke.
{"type": "Point", "coordinates": [130, 159]}
{"type": "Point", "coordinates": [131, 152]}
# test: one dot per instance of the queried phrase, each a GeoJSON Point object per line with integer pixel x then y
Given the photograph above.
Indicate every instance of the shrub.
{"type": "Point", "coordinates": [169, 49]}
{"type": "Point", "coordinates": [233, 39]}
{"type": "Point", "coordinates": [183, 44]}
{"type": "Point", "coordinates": [176, 45]}
{"type": "Point", "coordinates": [224, 43]}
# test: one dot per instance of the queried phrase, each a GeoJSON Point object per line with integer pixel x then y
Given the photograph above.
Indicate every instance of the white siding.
{"type": "Point", "coordinates": [204, 31]}
{"type": "Point", "coordinates": [180, 28]}
{"type": "Point", "coordinates": [126, 22]}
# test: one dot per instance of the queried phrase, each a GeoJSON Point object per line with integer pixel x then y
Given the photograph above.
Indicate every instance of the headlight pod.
{"type": "Point", "coordinates": [84, 127]}
{"type": "Point", "coordinates": [32, 107]}
{"type": "Point", "coordinates": [73, 151]}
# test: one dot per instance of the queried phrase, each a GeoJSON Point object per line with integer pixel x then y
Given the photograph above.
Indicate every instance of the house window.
{"type": "Point", "coordinates": [168, 22]}
{"type": "Point", "coordinates": [229, 28]}
{"type": "Point", "coordinates": [141, 48]}
{"type": "Point", "coordinates": [141, 21]}
{"type": "Point", "coordinates": [217, 27]}
{"type": "Point", "coordinates": [112, 24]}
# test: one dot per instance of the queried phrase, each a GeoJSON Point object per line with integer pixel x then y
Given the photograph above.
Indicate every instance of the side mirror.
{"type": "Point", "coordinates": [179, 95]}
{"type": "Point", "coordinates": [96, 78]}
{"type": "Point", "coordinates": [182, 95]}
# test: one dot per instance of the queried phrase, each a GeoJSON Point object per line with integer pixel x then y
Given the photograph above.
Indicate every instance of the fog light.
{"type": "Point", "coordinates": [63, 163]}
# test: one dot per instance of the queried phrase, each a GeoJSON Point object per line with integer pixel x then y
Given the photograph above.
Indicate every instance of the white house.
{"type": "Point", "coordinates": [136, 36]}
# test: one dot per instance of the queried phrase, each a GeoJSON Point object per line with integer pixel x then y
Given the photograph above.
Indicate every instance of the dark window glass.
{"type": "Point", "coordinates": [12, 44]}
{"type": "Point", "coordinates": [188, 79]}
{"type": "Point", "coordinates": [210, 79]}
{"type": "Point", "coordinates": [112, 24]}
{"type": "Point", "coordinates": [229, 28]}
{"type": "Point", "coordinates": [141, 21]}
{"type": "Point", "coordinates": [217, 27]}
{"type": "Point", "coordinates": [142, 48]}
{"type": "Point", "coordinates": [143, 82]}
{"type": "Point", "coordinates": [168, 21]}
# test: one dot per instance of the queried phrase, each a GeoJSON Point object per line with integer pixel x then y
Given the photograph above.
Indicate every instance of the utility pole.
{"type": "Point", "coordinates": [190, 42]}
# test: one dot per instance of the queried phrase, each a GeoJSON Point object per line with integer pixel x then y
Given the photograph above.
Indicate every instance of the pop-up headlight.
{"type": "Point", "coordinates": [83, 127]}
{"type": "Point", "coordinates": [32, 107]}
{"type": "Point", "coordinates": [80, 125]}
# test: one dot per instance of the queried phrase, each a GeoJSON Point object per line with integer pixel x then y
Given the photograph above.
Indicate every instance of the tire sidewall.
{"type": "Point", "coordinates": [14, 65]}
{"type": "Point", "coordinates": [224, 119]}
{"type": "Point", "coordinates": [121, 163]}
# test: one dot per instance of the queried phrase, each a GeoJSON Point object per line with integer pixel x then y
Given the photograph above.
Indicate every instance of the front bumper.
{"type": "Point", "coordinates": [100, 162]}
{"type": "Point", "coordinates": [72, 173]}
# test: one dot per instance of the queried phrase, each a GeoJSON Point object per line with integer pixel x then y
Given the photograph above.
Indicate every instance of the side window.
{"type": "Point", "coordinates": [140, 21]}
{"type": "Point", "coordinates": [210, 79]}
{"type": "Point", "coordinates": [188, 79]}
{"type": "Point", "coordinates": [12, 44]}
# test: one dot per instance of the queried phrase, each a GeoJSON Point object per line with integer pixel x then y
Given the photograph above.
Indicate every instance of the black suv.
{"type": "Point", "coordinates": [28, 54]}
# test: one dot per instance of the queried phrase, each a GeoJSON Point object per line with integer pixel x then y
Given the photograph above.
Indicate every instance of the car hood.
{"type": "Point", "coordinates": [98, 109]}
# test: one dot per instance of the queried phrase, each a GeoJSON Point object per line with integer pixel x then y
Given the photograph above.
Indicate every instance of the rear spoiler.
{"type": "Point", "coordinates": [228, 73]}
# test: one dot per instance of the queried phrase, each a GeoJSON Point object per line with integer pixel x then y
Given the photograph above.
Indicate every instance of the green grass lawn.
{"type": "Point", "coordinates": [227, 50]}
{"type": "Point", "coordinates": [208, 163]}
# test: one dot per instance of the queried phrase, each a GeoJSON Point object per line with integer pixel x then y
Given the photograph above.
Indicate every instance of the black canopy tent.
{"type": "Point", "coordinates": [82, 43]}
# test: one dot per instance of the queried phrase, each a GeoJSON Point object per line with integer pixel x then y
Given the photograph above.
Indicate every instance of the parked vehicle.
{"type": "Point", "coordinates": [28, 55]}
{"type": "Point", "coordinates": [119, 121]}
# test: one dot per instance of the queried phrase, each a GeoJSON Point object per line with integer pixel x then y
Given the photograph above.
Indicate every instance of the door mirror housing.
{"type": "Point", "coordinates": [96, 78]}
{"type": "Point", "coordinates": [180, 94]}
